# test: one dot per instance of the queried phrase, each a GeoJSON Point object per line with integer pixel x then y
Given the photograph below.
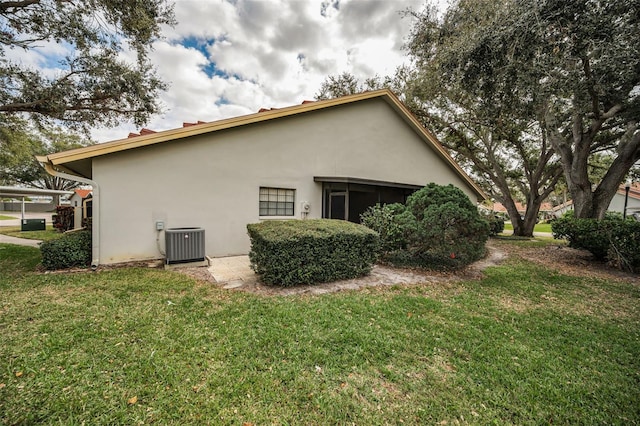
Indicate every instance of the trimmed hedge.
{"type": "Point", "coordinates": [68, 251]}
{"type": "Point", "coordinates": [292, 252]}
{"type": "Point", "coordinates": [612, 239]}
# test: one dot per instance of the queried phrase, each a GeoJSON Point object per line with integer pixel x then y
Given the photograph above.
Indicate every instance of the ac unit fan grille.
{"type": "Point", "coordinates": [184, 245]}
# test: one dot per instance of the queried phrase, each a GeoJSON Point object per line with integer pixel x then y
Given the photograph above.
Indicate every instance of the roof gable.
{"type": "Point", "coordinates": [634, 190]}
{"type": "Point", "coordinates": [76, 160]}
{"type": "Point", "coordinates": [83, 193]}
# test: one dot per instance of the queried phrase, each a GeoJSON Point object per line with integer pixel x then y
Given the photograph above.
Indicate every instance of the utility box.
{"type": "Point", "coordinates": [184, 245]}
{"type": "Point", "coordinates": [33, 225]}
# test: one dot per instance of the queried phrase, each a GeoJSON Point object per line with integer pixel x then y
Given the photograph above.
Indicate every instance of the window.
{"type": "Point", "coordinates": [277, 201]}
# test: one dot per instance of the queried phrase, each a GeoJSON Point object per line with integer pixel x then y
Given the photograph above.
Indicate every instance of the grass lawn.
{"type": "Point", "coordinates": [524, 345]}
{"type": "Point", "coordinates": [540, 227]}
{"type": "Point", "coordinates": [49, 234]}
{"type": "Point", "coordinates": [5, 217]}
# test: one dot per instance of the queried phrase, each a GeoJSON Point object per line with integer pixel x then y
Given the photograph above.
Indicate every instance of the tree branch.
{"type": "Point", "coordinates": [6, 5]}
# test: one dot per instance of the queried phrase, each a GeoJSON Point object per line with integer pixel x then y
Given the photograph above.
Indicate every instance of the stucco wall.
{"type": "Point", "coordinates": [617, 204]}
{"type": "Point", "coordinates": [212, 181]}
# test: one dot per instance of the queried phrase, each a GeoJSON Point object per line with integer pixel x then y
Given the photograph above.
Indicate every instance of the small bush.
{"type": "Point", "coordinates": [496, 223]}
{"type": "Point", "coordinates": [382, 219]}
{"type": "Point", "coordinates": [624, 251]}
{"type": "Point", "coordinates": [293, 252]}
{"type": "Point", "coordinates": [63, 219]}
{"type": "Point", "coordinates": [68, 251]}
{"type": "Point", "coordinates": [588, 234]}
{"type": "Point", "coordinates": [582, 234]}
{"type": "Point", "coordinates": [611, 239]}
{"type": "Point", "coordinates": [440, 228]}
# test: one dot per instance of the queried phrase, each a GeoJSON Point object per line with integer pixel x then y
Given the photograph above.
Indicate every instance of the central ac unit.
{"type": "Point", "coordinates": [184, 245]}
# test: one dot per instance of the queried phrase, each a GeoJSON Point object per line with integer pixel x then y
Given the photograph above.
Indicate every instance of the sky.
{"type": "Point", "coordinates": [227, 58]}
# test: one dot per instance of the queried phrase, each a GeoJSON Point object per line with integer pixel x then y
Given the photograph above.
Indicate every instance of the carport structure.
{"type": "Point", "coordinates": [20, 193]}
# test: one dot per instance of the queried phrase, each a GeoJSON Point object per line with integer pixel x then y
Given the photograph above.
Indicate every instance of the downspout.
{"type": "Point", "coordinates": [95, 220]}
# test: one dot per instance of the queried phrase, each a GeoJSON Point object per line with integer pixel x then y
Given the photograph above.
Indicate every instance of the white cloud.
{"type": "Point", "coordinates": [268, 53]}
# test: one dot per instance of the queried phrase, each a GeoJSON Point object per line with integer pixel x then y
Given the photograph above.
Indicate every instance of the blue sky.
{"type": "Point", "coordinates": [227, 58]}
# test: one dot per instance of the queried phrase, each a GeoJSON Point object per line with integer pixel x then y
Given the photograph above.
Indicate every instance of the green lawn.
{"type": "Point", "coordinates": [49, 234]}
{"type": "Point", "coordinates": [5, 217]}
{"type": "Point", "coordinates": [524, 345]}
{"type": "Point", "coordinates": [540, 227]}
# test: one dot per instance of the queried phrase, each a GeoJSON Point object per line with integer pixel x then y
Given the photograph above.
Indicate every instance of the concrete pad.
{"type": "Point", "coordinates": [197, 264]}
{"type": "Point", "coordinates": [232, 270]}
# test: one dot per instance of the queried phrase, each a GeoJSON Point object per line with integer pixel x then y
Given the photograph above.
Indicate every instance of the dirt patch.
{"type": "Point", "coordinates": [381, 275]}
{"type": "Point", "coordinates": [558, 257]}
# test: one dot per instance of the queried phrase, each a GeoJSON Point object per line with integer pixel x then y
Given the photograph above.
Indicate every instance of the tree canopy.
{"type": "Point", "coordinates": [498, 138]}
{"type": "Point", "coordinates": [572, 66]}
{"type": "Point", "coordinates": [20, 142]}
{"type": "Point", "coordinates": [96, 84]}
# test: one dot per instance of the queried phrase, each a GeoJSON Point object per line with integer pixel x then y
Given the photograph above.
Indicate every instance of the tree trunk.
{"type": "Point", "coordinates": [514, 215]}
{"type": "Point", "coordinates": [582, 201]}
{"type": "Point", "coordinates": [574, 152]}
{"type": "Point", "coordinates": [594, 204]}
{"type": "Point", "coordinates": [628, 154]}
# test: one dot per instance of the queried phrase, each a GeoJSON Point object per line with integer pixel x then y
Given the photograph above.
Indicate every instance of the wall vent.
{"type": "Point", "coordinates": [184, 245]}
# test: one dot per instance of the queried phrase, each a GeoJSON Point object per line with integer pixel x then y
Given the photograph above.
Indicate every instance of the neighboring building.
{"type": "Point", "coordinates": [78, 196]}
{"type": "Point", "coordinates": [330, 159]}
{"type": "Point", "coordinates": [616, 204]}
{"type": "Point", "coordinates": [561, 209]}
{"type": "Point", "coordinates": [633, 201]}
{"type": "Point", "coordinates": [502, 210]}
{"type": "Point", "coordinates": [80, 200]}
{"type": "Point", "coordinates": [544, 213]}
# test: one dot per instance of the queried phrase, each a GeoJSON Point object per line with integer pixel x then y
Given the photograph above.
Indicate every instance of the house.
{"type": "Point", "coordinates": [502, 210]}
{"type": "Point", "coordinates": [633, 200]}
{"type": "Point", "coordinates": [616, 204]}
{"type": "Point", "coordinates": [81, 202]}
{"type": "Point", "coordinates": [79, 195]}
{"type": "Point", "coordinates": [324, 159]}
{"type": "Point", "coordinates": [561, 209]}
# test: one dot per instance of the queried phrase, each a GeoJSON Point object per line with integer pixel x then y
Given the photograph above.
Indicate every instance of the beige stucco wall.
{"type": "Point", "coordinates": [212, 181]}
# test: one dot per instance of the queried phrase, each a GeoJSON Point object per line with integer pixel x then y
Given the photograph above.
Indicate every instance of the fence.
{"type": "Point", "coordinates": [16, 206]}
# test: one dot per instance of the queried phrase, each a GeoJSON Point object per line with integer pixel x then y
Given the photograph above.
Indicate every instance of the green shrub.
{"type": "Point", "coordinates": [624, 251]}
{"type": "Point", "coordinates": [382, 219]}
{"type": "Point", "coordinates": [293, 252]}
{"type": "Point", "coordinates": [440, 228]}
{"type": "Point", "coordinates": [70, 250]}
{"type": "Point", "coordinates": [496, 222]}
{"type": "Point", "coordinates": [585, 234]}
{"type": "Point", "coordinates": [611, 239]}
{"type": "Point", "coordinates": [581, 234]}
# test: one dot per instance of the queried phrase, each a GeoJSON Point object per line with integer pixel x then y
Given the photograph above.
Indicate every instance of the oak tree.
{"type": "Point", "coordinates": [572, 66]}
{"type": "Point", "coordinates": [20, 142]}
{"type": "Point", "coordinates": [498, 138]}
{"type": "Point", "coordinates": [105, 77]}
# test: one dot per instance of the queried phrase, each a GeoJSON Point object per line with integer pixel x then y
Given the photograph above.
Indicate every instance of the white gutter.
{"type": "Point", "coordinates": [95, 220]}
